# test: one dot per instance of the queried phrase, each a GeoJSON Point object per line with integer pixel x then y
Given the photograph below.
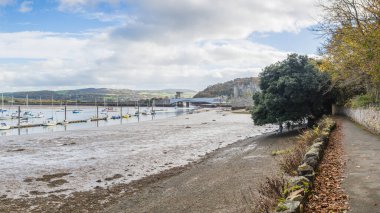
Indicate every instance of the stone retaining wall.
{"type": "Point", "coordinates": [367, 117]}
{"type": "Point", "coordinates": [298, 187]}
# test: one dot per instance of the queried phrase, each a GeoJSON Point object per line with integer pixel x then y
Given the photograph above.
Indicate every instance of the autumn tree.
{"type": "Point", "coordinates": [352, 50]}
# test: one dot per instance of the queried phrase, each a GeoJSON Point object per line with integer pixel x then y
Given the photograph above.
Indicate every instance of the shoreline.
{"type": "Point", "coordinates": [111, 197]}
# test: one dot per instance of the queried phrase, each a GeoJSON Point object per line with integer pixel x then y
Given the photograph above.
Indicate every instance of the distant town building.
{"type": "Point", "coordinates": [178, 94]}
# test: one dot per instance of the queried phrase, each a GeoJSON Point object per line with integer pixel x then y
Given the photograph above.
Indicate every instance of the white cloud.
{"type": "Point", "coordinates": [26, 6]}
{"type": "Point", "coordinates": [202, 19]}
{"type": "Point", "coordinates": [98, 59]}
{"type": "Point", "coordinates": [167, 44]}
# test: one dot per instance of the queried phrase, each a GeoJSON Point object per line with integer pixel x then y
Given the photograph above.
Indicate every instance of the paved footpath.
{"type": "Point", "coordinates": [362, 182]}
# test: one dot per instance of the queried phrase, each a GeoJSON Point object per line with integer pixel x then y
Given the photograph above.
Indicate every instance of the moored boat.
{"type": "Point", "coordinates": [39, 115]}
{"type": "Point", "coordinates": [109, 109]}
{"type": "Point", "coordinates": [49, 122]}
{"type": "Point", "coordinates": [4, 126]}
{"type": "Point", "coordinates": [114, 117]}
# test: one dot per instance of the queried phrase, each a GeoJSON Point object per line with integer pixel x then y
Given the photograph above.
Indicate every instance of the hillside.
{"type": "Point", "coordinates": [227, 88]}
{"type": "Point", "coordinates": [89, 94]}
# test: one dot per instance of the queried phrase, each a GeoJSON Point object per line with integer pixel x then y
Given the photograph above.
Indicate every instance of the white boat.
{"type": "Point", "coordinates": [4, 126]}
{"type": "Point", "coordinates": [5, 117]}
{"type": "Point", "coordinates": [39, 115]}
{"type": "Point", "coordinates": [14, 115]}
{"type": "Point", "coordinates": [109, 109]}
{"type": "Point", "coordinates": [24, 121]}
{"type": "Point", "coordinates": [49, 123]}
{"type": "Point", "coordinates": [2, 110]}
{"type": "Point", "coordinates": [76, 110]}
{"type": "Point", "coordinates": [145, 112]}
{"type": "Point", "coordinates": [27, 114]}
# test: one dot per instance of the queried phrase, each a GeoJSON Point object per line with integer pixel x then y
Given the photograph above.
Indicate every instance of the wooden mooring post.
{"type": "Point", "coordinates": [19, 116]}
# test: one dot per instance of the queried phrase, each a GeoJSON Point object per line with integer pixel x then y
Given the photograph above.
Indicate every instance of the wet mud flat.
{"type": "Point", "coordinates": [220, 181]}
{"type": "Point", "coordinates": [52, 168]}
{"type": "Point", "coordinates": [226, 180]}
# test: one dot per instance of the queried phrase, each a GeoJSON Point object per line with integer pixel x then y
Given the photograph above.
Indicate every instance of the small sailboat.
{"type": "Point", "coordinates": [27, 114]}
{"type": "Point", "coordinates": [24, 121]}
{"type": "Point", "coordinates": [62, 109]}
{"type": "Point", "coordinates": [76, 110]}
{"type": "Point", "coordinates": [14, 115]}
{"type": "Point", "coordinates": [152, 111]}
{"type": "Point", "coordinates": [127, 115]}
{"type": "Point", "coordinates": [4, 126]}
{"type": "Point", "coordinates": [115, 117]}
{"type": "Point", "coordinates": [146, 112]}
{"type": "Point", "coordinates": [39, 115]}
{"type": "Point", "coordinates": [50, 121]}
{"type": "Point", "coordinates": [2, 110]}
{"type": "Point", "coordinates": [109, 109]}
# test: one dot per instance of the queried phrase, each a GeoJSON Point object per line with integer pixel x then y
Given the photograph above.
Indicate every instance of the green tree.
{"type": "Point", "coordinates": [291, 90]}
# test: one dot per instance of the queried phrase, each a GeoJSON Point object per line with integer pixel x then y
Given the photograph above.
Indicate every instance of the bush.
{"type": "Point", "coordinates": [270, 192]}
{"type": "Point", "coordinates": [360, 101]}
{"type": "Point", "coordinates": [290, 162]}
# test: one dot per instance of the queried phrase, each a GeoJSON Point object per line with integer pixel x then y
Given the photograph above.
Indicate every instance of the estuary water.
{"type": "Point", "coordinates": [85, 113]}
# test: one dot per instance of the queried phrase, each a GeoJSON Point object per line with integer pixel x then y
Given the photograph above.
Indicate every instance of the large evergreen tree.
{"type": "Point", "coordinates": [291, 90]}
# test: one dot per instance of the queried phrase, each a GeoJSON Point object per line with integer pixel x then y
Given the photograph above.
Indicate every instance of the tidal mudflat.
{"type": "Point", "coordinates": [65, 162]}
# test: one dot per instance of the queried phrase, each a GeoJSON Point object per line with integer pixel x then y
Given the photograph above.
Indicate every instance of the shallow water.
{"type": "Point", "coordinates": [86, 113]}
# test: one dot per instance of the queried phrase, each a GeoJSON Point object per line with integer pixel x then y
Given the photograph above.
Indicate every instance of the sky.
{"type": "Point", "coordinates": [147, 44]}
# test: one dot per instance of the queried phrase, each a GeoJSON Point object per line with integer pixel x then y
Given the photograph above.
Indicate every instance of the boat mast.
{"type": "Point", "coordinates": [2, 102]}
{"type": "Point", "coordinates": [52, 110]}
